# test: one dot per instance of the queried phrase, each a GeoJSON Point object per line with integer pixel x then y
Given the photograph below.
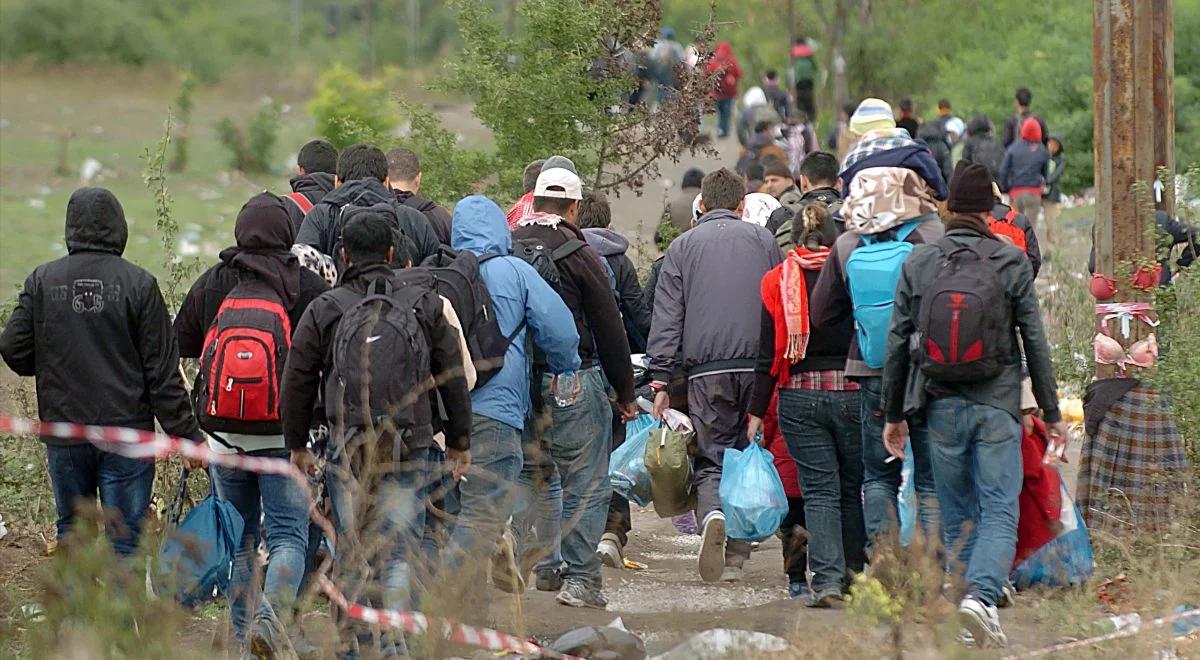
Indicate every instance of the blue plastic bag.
{"type": "Point", "coordinates": [1065, 561]}
{"type": "Point", "coordinates": [627, 466]}
{"type": "Point", "coordinates": [906, 501]}
{"type": "Point", "coordinates": [196, 559]}
{"type": "Point", "coordinates": [752, 495]}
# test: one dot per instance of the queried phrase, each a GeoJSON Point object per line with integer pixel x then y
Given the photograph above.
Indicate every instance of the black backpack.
{"type": "Point", "coordinates": [544, 260]}
{"type": "Point", "coordinates": [456, 277]}
{"type": "Point", "coordinates": [965, 324]}
{"type": "Point", "coordinates": [381, 363]}
{"type": "Point", "coordinates": [989, 153]}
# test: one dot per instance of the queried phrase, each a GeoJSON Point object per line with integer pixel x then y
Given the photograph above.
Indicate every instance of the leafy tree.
{"type": "Point", "coordinates": [558, 87]}
{"type": "Point", "coordinates": [250, 151]}
{"type": "Point", "coordinates": [349, 108]}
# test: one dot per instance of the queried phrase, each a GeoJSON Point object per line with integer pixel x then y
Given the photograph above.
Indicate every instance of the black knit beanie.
{"type": "Point", "coordinates": [970, 189]}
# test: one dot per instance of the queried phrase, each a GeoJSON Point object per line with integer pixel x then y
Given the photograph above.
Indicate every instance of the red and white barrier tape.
{"type": "Point", "coordinates": [135, 443]}
{"type": "Point", "coordinates": [1116, 634]}
{"type": "Point", "coordinates": [416, 623]}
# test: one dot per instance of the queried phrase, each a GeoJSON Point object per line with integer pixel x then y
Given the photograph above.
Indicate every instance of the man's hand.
{"type": "Point", "coordinates": [1059, 436]}
{"type": "Point", "coordinates": [193, 463]}
{"type": "Point", "coordinates": [662, 401]}
{"type": "Point", "coordinates": [459, 460]}
{"type": "Point", "coordinates": [629, 411]}
{"type": "Point", "coordinates": [1027, 423]}
{"type": "Point", "coordinates": [895, 434]}
{"type": "Point", "coordinates": [304, 461]}
{"type": "Point", "coordinates": [754, 426]}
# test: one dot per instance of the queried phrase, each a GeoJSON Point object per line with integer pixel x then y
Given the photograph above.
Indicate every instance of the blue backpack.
{"type": "Point", "coordinates": [873, 270]}
{"type": "Point", "coordinates": [196, 559]}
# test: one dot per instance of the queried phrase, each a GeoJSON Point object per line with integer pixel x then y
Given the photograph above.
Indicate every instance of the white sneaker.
{"type": "Point", "coordinates": [609, 551]}
{"type": "Point", "coordinates": [712, 548]}
{"type": "Point", "coordinates": [731, 574]}
{"type": "Point", "coordinates": [982, 623]}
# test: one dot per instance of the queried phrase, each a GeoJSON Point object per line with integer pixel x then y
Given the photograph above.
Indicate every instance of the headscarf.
{"type": "Point", "coordinates": [758, 207]}
{"type": "Point", "coordinates": [264, 236]}
{"type": "Point", "coordinates": [881, 198]}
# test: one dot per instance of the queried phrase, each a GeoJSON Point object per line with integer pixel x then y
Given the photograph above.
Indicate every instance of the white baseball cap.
{"type": "Point", "coordinates": [558, 182]}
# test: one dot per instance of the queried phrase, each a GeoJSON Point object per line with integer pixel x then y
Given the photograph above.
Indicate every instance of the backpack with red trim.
{"type": "Point", "coordinates": [241, 366]}
{"type": "Point", "coordinates": [1005, 227]}
{"type": "Point", "coordinates": [300, 200]}
{"type": "Point", "coordinates": [964, 322]}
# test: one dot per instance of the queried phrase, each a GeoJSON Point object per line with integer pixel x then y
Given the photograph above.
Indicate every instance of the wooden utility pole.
{"type": "Point", "coordinates": [1133, 72]}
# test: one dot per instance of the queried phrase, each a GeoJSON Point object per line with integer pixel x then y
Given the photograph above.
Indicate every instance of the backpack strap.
{"type": "Point", "coordinates": [301, 200]}
{"type": "Point", "coordinates": [900, 233]}
{"type": "Point", "coordinates": [570, 247]}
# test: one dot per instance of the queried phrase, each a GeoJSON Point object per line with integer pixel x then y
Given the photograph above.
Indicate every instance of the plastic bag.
{"type": "Point", "coordinates": [1064, 561]}
{"type": "Point", "coordinates": [196, 559]}
{"type": "Point", "coordinates": [752, 495]}
{"type": "Point", "coordinates": [670, 469]}
{"type": "Point", "coordinates": [627, 466]}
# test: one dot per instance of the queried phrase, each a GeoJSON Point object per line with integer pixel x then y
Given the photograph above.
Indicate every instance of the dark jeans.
{"type": "Point", "coordinates": [795, 549]}
{"type": "Point", "coordinates": [378, 500]}
{"type": "Point", "coordinates": [881, 480]}
{"type": "Point", "coordinates": [805, 100]}
{"type": "Point", "coordinates": [823, 434]}
{"type": "Point", "coordinates": [619, 521]}
{"type": "Point", "coordinates": [717, 405]}
{"type": "Point", "coordinates": [79, 473]}
{"type": "Point", "coordinates": [977, 460]}
{"type": "Point", "coordinates": [282, 506]}
{"type": "Point", "coordinates": [724, 110]}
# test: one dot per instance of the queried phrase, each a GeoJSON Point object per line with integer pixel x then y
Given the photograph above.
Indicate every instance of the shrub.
{"type": "Point", "coordinates": [350, 109]}
{"type": "Point", "coordinates": [250, 151]}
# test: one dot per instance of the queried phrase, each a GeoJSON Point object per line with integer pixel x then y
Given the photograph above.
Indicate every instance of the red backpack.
{"type": "Point", "coordinates": [241, 365]}
{"type": "Point", "coordinates": [1005, 227]}
{"type": "Point", "coordinates": [300, 200]}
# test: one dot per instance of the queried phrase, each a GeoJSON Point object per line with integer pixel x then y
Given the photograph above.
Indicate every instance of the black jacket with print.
{"type": "Point", "coordinates": [93, 329]}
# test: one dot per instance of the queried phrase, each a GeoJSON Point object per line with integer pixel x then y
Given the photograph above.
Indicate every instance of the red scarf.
{"type": "Point", "coordinates": [785, 295]}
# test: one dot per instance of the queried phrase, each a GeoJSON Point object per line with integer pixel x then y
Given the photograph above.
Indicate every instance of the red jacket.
{"type": "Point", "coordinates": [779, 450]}
{"type": "Point", "coordinates": [725, 64]}
{"type": "Point", "coordinates": [1041, 496]}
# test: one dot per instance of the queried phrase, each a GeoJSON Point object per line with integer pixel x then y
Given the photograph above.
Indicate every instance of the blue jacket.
{"type": "Point", "coordinates": [518, 293]}
{"type": "Point", "coordinates": [1025, 165]}
{"type": "Point", "coordinates": [915, 157]}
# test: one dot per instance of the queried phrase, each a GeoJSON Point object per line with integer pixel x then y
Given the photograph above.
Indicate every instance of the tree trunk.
{"type": "Point", "coordinates": [837, 59]}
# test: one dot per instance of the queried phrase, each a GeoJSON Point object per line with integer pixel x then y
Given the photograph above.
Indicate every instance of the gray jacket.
{"type": "Point", "coordinates": [707, 307]}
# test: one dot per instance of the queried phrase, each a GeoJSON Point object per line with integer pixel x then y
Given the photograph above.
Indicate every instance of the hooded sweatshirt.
{"type": "Point", "coordinates": [1054, 171]}
{"type": "Point", "coordinates": [264, 237]}
{"type": "Point", "coordinates": [314, 186]}
{"type": "Point", "coordinates": [981, 147]}
{"type": "Point", "coordinates": [519, 295]}
{"type": "Point", "coordinates": [1026, 162]}
{"type": "Point", "coordinates": [94, 331]}
{"type": "Point", "coordinates": [612, 247]}
{"type": "Point", "coordinates": [322, 226]}
{"type": "Point", "coordinates": [724, 66]}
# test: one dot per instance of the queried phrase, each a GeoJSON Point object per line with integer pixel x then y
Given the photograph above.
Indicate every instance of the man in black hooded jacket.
{"type": "Point", "coordinates": [362, 180]}
{"type": "Point", "coordinates": [404, 178]}
{"type": "Point", "coordinates": [315, 167]}
{"type": "Point", "coordinates": [93, 329]}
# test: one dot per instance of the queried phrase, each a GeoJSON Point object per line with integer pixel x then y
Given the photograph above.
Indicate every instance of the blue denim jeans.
{"type": "Point", "coordinates": [977, 463]}
{"type": "Point", "coordinates": [283, 508]}
{"type": "Point", "coordinates": [823, 434]}
{"type": "Point", "coordinates": [578, 440]}
{"type": "Point", "coordinates": [881, 480]}
{"type": "Point", "coordinates": [724, 110]}
{"type": "Point", "coordinates": [379, 515]}
{"type": "Point", "coordinates": [486, 494]}
{"type": "Point", "coordinates": [79, 473]}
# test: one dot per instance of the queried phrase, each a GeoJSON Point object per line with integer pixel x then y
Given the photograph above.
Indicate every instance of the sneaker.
{"type": "Point", "coordinates": [577, 594]}
{"type": "Point", "coordinates": [263, 639]}
{"type": "Point", "coordinates": [712, 548]}
{"type": "Point", "coordinates": [548, 579]}
{"type": "Point", "coordinates": [731, 574]}
{"type": "Point", "coordinates": [827, 600]}
{"type": "Point", "coordinates": [609, 551]}
{"type": "Point", "coordinates": [1008, 595]}
{"type": "Point", "coordinates": [799, 589]}
{"type": "Point", "coordinates": [981, 622]}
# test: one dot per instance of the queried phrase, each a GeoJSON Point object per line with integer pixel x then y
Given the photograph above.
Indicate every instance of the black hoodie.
{"type": "Point", "coordinates": [93, 330]}
{"type": "Point", "coordinates": [314, 187]}
{"type": "Point", "coordinates": [439, 218]}
{"type": "Point", "coordinates": [321, 227]}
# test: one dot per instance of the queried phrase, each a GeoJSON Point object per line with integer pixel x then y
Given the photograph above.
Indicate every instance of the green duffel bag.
{"type": "Point", "coordinates": [670, 469]}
